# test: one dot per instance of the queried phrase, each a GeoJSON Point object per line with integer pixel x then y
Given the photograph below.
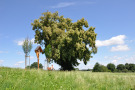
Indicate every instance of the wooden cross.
{"type": "Point", "coordinates": [37, 51]}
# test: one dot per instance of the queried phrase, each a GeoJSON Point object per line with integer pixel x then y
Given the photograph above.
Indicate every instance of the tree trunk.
{"type": "Point", "coordinates": [25, 62]}
{"type": "Point", "coordinates": [66, 65]}
{"type": "Point", "coordinates": [29, 62]}
{"type": "Point", "coordinates": [47, 64]}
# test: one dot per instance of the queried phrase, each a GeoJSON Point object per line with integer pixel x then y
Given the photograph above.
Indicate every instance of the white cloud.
{"type": "Point", "coordinates": [18, 63]}
{"type": "Point", "coordinates": [114, 61]}
{"type": "Point", "coordinates": [20, 42]}
{"type": "Point", "coordinates": [120, 48]}
{"type": "Point", "coordinates": [112, 41]}
{"type": "Point", "coordinates": [32, 40]}
{"type": "Point", "coordinates": [130, 59]}
{"type": "Point", "coordinates": [31, 58]}
{"type": "Point", "coordinates": [20, 53]}
{"type": "Point", "coordinates": [130, 41]}
{"type": "Point", "coordinates": [113, 58]}
{"type": "Point", "coordinates": [120, 59]}
{"type": "Point", "coordinates": [63, 4]}
{"type": "Point", "coordinates": [3, 51]}
{"type": "Point", "coordinates": [1, 61]}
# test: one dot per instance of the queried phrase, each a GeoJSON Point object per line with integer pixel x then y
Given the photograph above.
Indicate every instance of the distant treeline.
{"type": "Point", "coordinates": [112, 68]}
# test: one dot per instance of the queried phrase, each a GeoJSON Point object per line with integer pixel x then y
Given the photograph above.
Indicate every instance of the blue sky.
{"type": "Point", "coordinates": [114, 21]}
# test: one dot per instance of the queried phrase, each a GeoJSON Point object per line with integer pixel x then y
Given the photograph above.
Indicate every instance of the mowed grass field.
{"type": "Point", "coordinates": [20, 79]}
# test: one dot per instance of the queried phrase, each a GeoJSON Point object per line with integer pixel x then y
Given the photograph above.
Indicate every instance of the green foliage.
{"type": "Point", "coordinates": [111, 67]}
{"type": "Point", "coordinates": [132, 67]}
{"type": "Point", "coordinates": [125, 70]}
{"type": "Point", "coordinates": [27, 46]}
{"type": "Point", "coordinates": [100, 68]}
{"type": "Point", "coordinates": [20, 79]}
{"type": "Point", "coordinates": [48, 52]}
{"type": "Point", "coordinates": [103, 68]}
{"type": "Point", "coordinates": [35, 65]}
{"type": "Point", "coordinates": [76, 69]}
{"type": "Point", "coordinates": [120, 67]}
{"type": "Point", "coordinates": [116, 70]}
{"type": "Point", "coordinates": [127, 66]}
{"type": "Point", "coordinates": [68, 40]}
{"type": "Point", "coordinates": [28, 67]}
{"type": "Point", "coordinates": [96, 68]}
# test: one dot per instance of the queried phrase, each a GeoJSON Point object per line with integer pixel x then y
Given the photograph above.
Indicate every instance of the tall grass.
{"type": "Point", "coordinates": [19, 79]}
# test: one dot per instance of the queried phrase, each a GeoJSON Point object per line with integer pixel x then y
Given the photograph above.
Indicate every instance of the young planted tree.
{"type": "Point", "coordinates": [68, 40]}
{"type": "Point", "coordinates": [27, 46]}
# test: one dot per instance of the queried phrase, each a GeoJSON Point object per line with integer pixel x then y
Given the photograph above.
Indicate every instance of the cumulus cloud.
{"type": "Point", "coordinates": [1, 61]}
{"type": "Point", "coordinates": [112, 41]}
{"type": "Point", "coordinates": [18, 63]}
{"type": "Point", "coordinates": [63, 4]}
{"type": "Point", "coordinates": [120, 48]}
{"type": "Point", "coordinates": [20, 42]}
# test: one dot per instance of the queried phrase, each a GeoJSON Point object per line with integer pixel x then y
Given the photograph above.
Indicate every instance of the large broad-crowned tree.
{"type": "Point", "coordinates": [70, 41]}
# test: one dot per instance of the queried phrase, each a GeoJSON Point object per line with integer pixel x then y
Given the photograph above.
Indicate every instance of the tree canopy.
{"type": "Point", "coordinates": [69, 40]}
{"type": "Point", "coordinates": [27, 46]}
{"type": "Point", "coordinates": [111, 67]}
{"type": "Point", "coordinates": [99, 68]}
{"type": "Point", "coordinates": [120, 67]}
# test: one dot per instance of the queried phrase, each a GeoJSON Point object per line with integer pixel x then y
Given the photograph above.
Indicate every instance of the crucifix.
{"type": "Point", "coordinates": [37, 51]}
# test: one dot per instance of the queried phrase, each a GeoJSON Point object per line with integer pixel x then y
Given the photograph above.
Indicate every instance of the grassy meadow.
{"type": "Point", "coordinates": [20, 79]}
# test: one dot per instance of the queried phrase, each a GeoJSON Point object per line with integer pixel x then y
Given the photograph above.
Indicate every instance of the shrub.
{"type": "Point", "coordinates": [125, 70]}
